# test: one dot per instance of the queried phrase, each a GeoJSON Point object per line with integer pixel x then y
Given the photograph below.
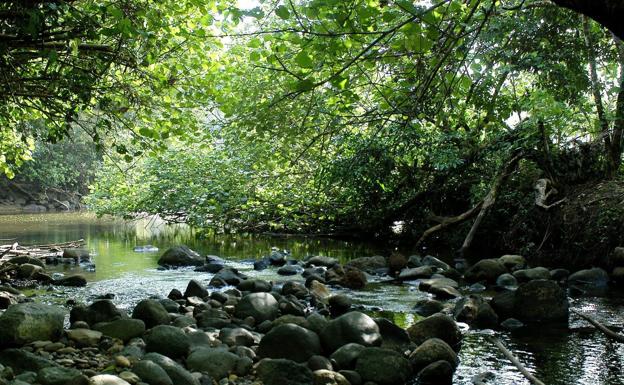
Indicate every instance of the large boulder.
{"type": "Point", "coordinates": [99, 311]}
{"type": "Point", "coordinates": [474, 310]}
{"type": "Point", "coordinates": [255, 285]}
{"type": "Point", "coordinates": [485, 270]}
{"type": "Point", "coordinates": [290, 341]}
{"type": "Point", "coordinates": [181, 256]}
{"type": "Point", "coordinates": [346, 355]}
{"type": "Point", "coordinates": [436, 326]}
{"type": "Point", "coordinates": [383, 366]}
{"type": "Point", "coordinates": [512, 262]}
{"type": "Point", "coordinates": [27, 322]}
{"type": "Point", "coordinates": [353, 278]}
{"type": "Point", "coordinates": [229, 275]}
{"type": "Point", "coordinates": [416, 273]}
{"type": "Point", "coordinates": [195, 289]}
{"type": "Point", "coordinates": [430, 351]}
{"type": "Point", "coordinates": [320, 260]}
{"type": "Point", "coordinates": [353, 327]}
{"type": "Point", "coordinates": [151, 312]}
{"type": "Point", "coordinates": [283, 372]}
{"type": "Point", "coordinates": [436, 373]}
{"type": "Point", "coordinates": [218, 363]}
{"type": "Point", "coordinates": [175, 371]}
{"type": "Point", "coordinates": [426, 307]}
{"type": "Point", "coordinates": [541, 300]}
{"type": "Point", "coordinates": [591, 281]}
{"type": "Point", "coordinates": [124, 329]}
{"type": "Point", "coordinates": [368, 264]}
{"type": "Point", "coordinates": [167, 340]}
{"type": "Point", "coordinates": [260, 306]}
{"type": "Point", "coordinates": [526, 275]}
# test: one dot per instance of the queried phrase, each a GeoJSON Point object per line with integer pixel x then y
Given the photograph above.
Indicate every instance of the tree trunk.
{"type": "Point", "coordinates": [597, 94]}
{"type": "Point", "coordinates": [489, 200]}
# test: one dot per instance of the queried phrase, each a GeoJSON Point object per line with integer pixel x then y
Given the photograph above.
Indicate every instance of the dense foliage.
{"type": "Point", "coordinates": [339, 116]}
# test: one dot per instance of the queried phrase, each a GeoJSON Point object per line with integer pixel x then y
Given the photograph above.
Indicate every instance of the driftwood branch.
{"type": "Point", "coordinates": [489, 199]}
{"type": "Point", "coordinates": [605, 330]}
{"type": "Point", "coordinates": [514, 360]}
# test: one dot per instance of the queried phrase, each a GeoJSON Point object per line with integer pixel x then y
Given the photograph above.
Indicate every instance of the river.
{"type": "Point", "coordinates": [577, 355]}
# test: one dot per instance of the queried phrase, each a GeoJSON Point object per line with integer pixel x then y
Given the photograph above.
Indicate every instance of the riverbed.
{"type": "Point", "coordinates": [577, 355]}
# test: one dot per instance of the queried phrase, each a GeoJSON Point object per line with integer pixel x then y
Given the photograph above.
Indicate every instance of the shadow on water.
{"type": "Point", "coordinates": [558, 356]}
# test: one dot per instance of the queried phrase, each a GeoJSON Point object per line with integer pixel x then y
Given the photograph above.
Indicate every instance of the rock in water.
{"type": "Point", "coordinates": [195, 289]}
{"type": "Point", "coordinates": [27, 322]}
{"type": "Point", "coordinates": [151, 312]}
{"type": "Point", "coordinates": [437, 373]}
{"type": "Point", "coordinates": [594, 281]}
{"type": "Point", "coordinates": [541, 300]}
{"type": "Point", "coordinates": [430, 351]}
{"type": "Point", "coordinates": [75, 280]}
{"type": "Point", "coordinates": [99, 311]}
{"type": "Point", "coordinates": [351, 327]}
{"type": "Point", "coordinates": [436, 326]}
{"type": "Point", "coordinates": [290, 341]}
{"type": "Point", "coordinates": [485, 270]}
{"type": "Point", "coordinates": [181, 256]}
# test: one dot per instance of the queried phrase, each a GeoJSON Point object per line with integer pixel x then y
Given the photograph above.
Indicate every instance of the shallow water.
{"type": "Point", "coordinates": [575, 356]}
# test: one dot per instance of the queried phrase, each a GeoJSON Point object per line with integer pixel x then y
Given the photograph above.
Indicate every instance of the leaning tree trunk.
{"type": "Point", "coordinates": [489, 200]}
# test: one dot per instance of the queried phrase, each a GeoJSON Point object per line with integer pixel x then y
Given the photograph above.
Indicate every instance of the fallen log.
{"type": "Point", "coordinates": [514, 360]}
{"type": "Point", "coordinates": [605, 330]}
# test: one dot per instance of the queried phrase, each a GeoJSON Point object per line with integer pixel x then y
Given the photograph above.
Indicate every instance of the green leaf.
{"type": "Point", "coordinates": [283, 12]}
{"type": "Point", "coordinates": [304, 60]}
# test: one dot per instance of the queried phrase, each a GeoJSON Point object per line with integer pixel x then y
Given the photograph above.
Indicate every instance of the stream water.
{"type": "Point", "coordinates": [577, 355]}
